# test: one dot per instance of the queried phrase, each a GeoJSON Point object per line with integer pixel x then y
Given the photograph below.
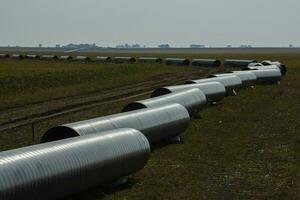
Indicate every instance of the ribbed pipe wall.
{"type": "Point", "coordinates": [157, 124]}
{"type": "Point", "coordinates": [58, 169]}
{"type": "Point", "coordinates": [214, 91]}
{"type": "Point", "coordinates": [193, 100]}
{"type": "Point", "coordinates": [231, 83]}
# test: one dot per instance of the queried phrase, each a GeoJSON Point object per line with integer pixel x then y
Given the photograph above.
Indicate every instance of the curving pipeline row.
{"type": "Point", "coordinates": [233, 63]}
{"type": "Point", "coordinates": [77, 156]}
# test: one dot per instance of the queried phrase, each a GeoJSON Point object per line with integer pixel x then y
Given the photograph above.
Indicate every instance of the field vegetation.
{"type": "Point", "coordinates": [246, 147]}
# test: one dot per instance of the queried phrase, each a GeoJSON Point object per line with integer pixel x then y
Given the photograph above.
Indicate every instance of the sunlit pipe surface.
{"type": "Point", "coordinates": [4, 55]}
{"type": "Point", "coordinates": [102, 58]}
{"type": "Point", "coordinates": [65, 58]}
{"type": "Point", "coordinates": [49, 57]}
{"type": "Point", "coordinates": [157, 124]}
{"type": "Point", "coordinates": [271, 76]}
{"type": "Point", "coordinates": [57, 169]}
{"type": "Point", "coordinates": [206, 62]}
{"type": "Point", "coordinates": [214, 91]}
{"type": "Point", "coordinates": [231, 83]}
{"type": "Point", "coordinates": [82, 58]}
{"type": "Point", "coordinates": [247, 77]}
{"type": "Point", "coordinates": [193, 100]}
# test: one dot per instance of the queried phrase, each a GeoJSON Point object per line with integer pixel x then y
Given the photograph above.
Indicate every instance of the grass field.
{"type": "Point", "coordinates": [247, 147]}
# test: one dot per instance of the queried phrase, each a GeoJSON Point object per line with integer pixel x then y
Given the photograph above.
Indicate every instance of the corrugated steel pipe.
{"type": "Point", "coordinates": [57, 169]}
{"type": "Point", "coordinates": [102, 59]}
{"type": "Point", "coordinates": [65, 58]}
{"type": "Point", "coordinates": [123, 59]}
{"type": "Point", "coordinates": [17, 56]}
{"type": "Point", "coordinates": [248, 77]}
{"type": "Point", "coordinates": [282, 67]}
{"type": "Point", "coordinates": [193, 100]}
{"type": "Point", "coordinates": [177, 61]}
{"type": "Point", "coordinates": [206, 63]}
{"type": "Point", "coordinates": [49, 57]}
{"type": "Point", "coordinates": [214, 91]}
{"type": "Point", "coordinates": [268, 76]}
{"type": "Point", "coordinates": [157, 124]}
{"type": "Point", "coordinates": [4, 55]}
{"type": "Point", "coordinates": [32, 57]}
{"type": "Point", "coordinates": [82, 58]}
{"type": "Point", "coordinates": [238, 63]}
{"type": "Point", "coordinates": [149, 60]}
{"type": "Point", "coordinates": [232, 83]}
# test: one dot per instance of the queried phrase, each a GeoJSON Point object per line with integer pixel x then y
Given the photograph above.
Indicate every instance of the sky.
{"type": "Point", "coordinates": [150, 22]}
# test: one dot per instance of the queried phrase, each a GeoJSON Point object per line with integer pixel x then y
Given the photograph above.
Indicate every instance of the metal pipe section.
{"type": "Point", "coordinates": [238, 63]}
{"type": "Point", "coordinates": [177, 61]}
{"type": "Point", "coordinates": [281, 66]}
{"type": "Point", "coordinates": [4, 55]}
{"type": "Point", "coordinates": [102, 59]}
{"type": "Point", "coordinates": [32, 57]}
{"type": "Point", "coordinates": [58, 169]}
{"type": "Point", "coordinates": [206, 63]}
{"type": "Point", "coordinates": [268, 76]}
{"type": "Point", "coordinates": [149, 60]}
{"type": "Point", "coordinates": [214, 91]}
{"type": "Point", "coordinates": [65, 58]}
{"type": "Point", "coordinates": [49, 57]}
{"type": "Point", "coordinates": [255, 65]}
{"type": "Point", "coordinates": [82, 58]}
{"type": "Point", "coordinates": [231, 83]}
{"type": "Point", "coordinates": [157, 124]}
{"type": "Point", "coordinates": [193, 100]}
{"type": "Point", "coordinates": [17, 56]}
{"type": "Point", "coordinates": [123, 59]}
{"type": "Point", "coordinates": [247, 77]}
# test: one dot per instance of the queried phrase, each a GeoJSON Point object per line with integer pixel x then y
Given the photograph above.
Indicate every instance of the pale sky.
{"type": "Point", "coordinates": [150, 22]}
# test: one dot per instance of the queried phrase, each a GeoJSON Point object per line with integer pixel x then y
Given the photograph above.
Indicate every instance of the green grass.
{"type": "Point", "coordinates": [26, 81]}
{"type": "Point", "coordinates": [247, 147]}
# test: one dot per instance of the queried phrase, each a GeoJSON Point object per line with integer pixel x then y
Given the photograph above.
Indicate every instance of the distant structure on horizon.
{"type": "Point", "coordinates": [195, 46]}
{"type": "Point", "coordinates": [164, 46]}
{"type": "Point", "coordinates": [80, 46]}
{"type": "Point", "coordinates": [127, 46]}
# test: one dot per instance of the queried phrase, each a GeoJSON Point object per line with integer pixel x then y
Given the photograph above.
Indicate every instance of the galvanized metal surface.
{"type": "Point", "coordinates": [82, 58]}
{"type": "Point", "coordinates": [49, 57]}
{"type": "Point", "coordinates": [149, 60]}
{"type": "Point", "coordinates": [4, 55]}
{"type": "Point", "coordinates": [238, 63]}
{"type": "Point", "coordinates": [247, 77]}
{"type": "Point", "coordinates": [17, 56]}
{"type": "Point", "coordinates": [65, 58]}
{"type": "Point", "coordinates": [271, 76]}
{"type": "Point", "coordinates": [193, 100]}
{"type": "Point", "coordinates": [32, 57]}
{"type": "Point", "coordinates": [123, 59]}
{"type": "Point", "coordinates": [206, 63]}
{"type": "Point", "coordinates": [58, 169]}
{"type": "Point", "coordinates": [255, 64]}
{"type": "Point", "coordinates": [177, 61]}
{"type": "Point", "coordinates": [157, 124]}
{"type": "Point", "coordinates": [214, 91]}
{"type": "Point", "coordinates": [102, 58]}
{"type": "Point", "coordinates": [281, 66]}
{"type": "Point", "coordinates": [231, 83]}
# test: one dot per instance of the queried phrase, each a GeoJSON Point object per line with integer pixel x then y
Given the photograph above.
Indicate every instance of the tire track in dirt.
{"type": "Point", "coordinates": [39, 111]}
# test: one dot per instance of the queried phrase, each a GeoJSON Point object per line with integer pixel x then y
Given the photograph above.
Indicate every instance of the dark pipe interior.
{"type": "Point", "coordinates": [58, 133]}
{"type": "Point", "coordinates": [160, 92]}
{"type": "Point", "coordinates": [133, 106]}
